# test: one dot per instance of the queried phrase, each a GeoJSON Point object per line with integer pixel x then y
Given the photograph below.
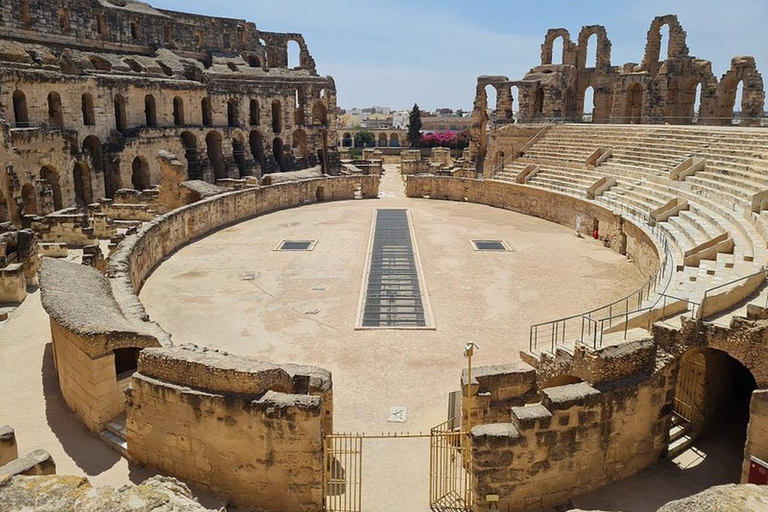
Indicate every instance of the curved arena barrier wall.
{"type": "Point", "coordinates": [247, 430]}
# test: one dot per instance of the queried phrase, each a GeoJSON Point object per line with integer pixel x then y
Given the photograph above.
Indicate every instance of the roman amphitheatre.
{"type": "Point", "coordinates": [208, 302]}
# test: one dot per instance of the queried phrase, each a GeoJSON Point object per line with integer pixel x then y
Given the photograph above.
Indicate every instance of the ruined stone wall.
{"type": "Point", "coordinates": [504, 146]}
{"type": "Point", "coordinates": [544, 204]}
{"type": "Point", "coordinates": [757, 432]}
{"type": "Point", "coordinates": [250, 431]}
{"type": "Point", "coordinates": [8, 449]}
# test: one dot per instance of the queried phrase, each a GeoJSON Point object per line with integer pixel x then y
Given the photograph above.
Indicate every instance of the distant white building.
{"type": "Point", "coordinates": [400, 120]}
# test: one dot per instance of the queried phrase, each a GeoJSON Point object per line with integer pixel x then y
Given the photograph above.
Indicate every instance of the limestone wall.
{"type": "Point", "coordinates": [250, 431]}
{"type": "Point", "coordinates": [757, 432]}
{"type": "Point", "coordinates": [545, 204]}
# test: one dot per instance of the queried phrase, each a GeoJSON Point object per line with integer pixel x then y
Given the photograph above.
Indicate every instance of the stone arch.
{"type": "Point", "coordinates": [549, 41]}
{"type": "Point", "coordinates": [92, 146]}
{"type": "Point", "coordinates": [743, 71]}
{"type": "Point", "coordinates": [51, 175]}
{"type": "Point", "coordinates": [347, 141]}
{"type": "Point", "coordinates": [29, 199]}
{"type": "Point", "coordinates": [83, 184]}
{"type": "Point", "coordinates": [293, 54]}
{"type": "Point", "coordinates": [298, 117]}
{"type": "Point", "coordinates": [233, 114]}
{"type": "Point", "coordinates": [277, 117]}
{"type": "Point", "coordinates": [492, 99]}
{"type": "Point", "coordinates": [215, 155]}
{"type": "Point", "coordinates": [150, 110]}
{"type": "Point", "coordinates": [319, 114]}
{"type": "Point", "coordinates": [89, 116]}
{"type": "Point", "coordinates": [207, 111]}
{"type": "Point", "coordinates": [633, 103]}
{"type": "Point", "coordinates": [278, 152]}
{"type": "Point", "coordinates": [120, 113]}
{"type": "Point", "coordinates": [20, 112]}
{"type": "Point", "coordinates": [676, 42]}
{"type": "Point", "coordinates": [588, 105]}
{"type": "Point", "coordinates": [672, 102]}
{"type": "Point", "coordinates": [601, 51]}
{"type": "Point", "coordinates": [189, 141]}
{"type": "Point", "coordinates": [140, 174]}
{"type": "Point", "coordinates": [382, 141]}
{"type": "Point", "coordinates": [238, 154]}
{"type": "Point", "coordinates": [178, 111]}
{"type": "Point", "coordinates": [256, 141]}
{"type": "Point", "coordinates": [538, 102]}
{"type": "Point", "coordinates": [253, 60]}
{"type": "Point", "coordinates": [300, 144]}
{"type": "Point", "coordinates": [254, 113]}
{"type": "Point", "coordinates": [394, 140]}
{"type": "Point", "coordinates": [55, 111]}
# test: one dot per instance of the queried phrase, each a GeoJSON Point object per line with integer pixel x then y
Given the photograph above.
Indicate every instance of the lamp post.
{"type": "Point", "coordinates": [469, 351]}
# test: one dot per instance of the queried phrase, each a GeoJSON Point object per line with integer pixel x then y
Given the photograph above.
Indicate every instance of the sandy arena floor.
{"type": "Point", "coordinates": [301, 307]}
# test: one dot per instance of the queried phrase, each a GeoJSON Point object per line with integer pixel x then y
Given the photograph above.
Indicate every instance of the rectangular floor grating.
{"type": "Point", "coordinates": [393, 296]}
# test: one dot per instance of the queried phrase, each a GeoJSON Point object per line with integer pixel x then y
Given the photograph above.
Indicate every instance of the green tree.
{"type": "Point", "coordinates": [365, 139]}
{"type": "Point", "coordinates": [414, 127]}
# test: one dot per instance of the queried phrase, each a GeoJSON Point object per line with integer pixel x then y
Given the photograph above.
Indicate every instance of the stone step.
{"type": "Point", "coordinates": [117, 443]}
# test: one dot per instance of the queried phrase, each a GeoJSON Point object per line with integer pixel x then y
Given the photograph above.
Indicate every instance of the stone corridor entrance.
{"type": "Point", "coordinates": [450, 483]}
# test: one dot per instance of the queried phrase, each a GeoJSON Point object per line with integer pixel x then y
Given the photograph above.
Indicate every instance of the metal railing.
{"type": "Point", "coordinates": [590, 327]}
{"type": "Point", "coordinates": [708, 293]}
{"type": "Point", "coordinates": [662, 120]}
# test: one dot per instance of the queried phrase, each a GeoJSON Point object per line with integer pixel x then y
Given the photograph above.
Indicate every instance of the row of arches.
{"type": "Point", "coordinates": [55, 117]}
{"type": "Point", "coordinates": [382, 140]}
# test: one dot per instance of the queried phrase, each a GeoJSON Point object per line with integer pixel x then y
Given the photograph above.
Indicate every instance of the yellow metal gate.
{"type": "Point", "coordinates": [449, 470]}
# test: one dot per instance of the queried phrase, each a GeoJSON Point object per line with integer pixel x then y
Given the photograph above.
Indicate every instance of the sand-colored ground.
{"type": "Point", "coordinates": [301, 307]}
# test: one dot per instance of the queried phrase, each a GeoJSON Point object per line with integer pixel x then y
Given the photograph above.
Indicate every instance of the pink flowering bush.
{"type": "Point", "coordinates": [451, 140]}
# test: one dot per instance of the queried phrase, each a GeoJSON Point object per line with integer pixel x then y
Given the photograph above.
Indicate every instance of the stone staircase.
{"type": "Point", "coordinates": [681, 436]}
{"type": "Point", "coordinates": [114, 435]}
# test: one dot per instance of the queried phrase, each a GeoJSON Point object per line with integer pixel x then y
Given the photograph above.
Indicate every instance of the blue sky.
{"type": "Point", "coordinates": [397, 52]}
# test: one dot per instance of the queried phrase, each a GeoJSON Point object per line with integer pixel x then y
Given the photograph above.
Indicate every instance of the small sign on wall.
{"type": "Point", "coordinates": [758, 472]}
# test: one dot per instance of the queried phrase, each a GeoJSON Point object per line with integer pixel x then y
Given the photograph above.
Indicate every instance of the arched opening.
{"type": "Point", "coordinates": [382, 140]}
{"type": "Point", "coordinates": [55, 112]}
{"type": "Point", "coordinates": [277, 116]}
{"type": "Point", "coordinates": [711, 409]}
{"type": "Point", "coordinates": [633, 108]}
{"type": "Point", "coordinates": [253, 61]}
{"type": "Point", "coordinates": [215, 155]}
{"type": "Point", "coordinates": [515, 93]}
{"type": "Point", "coordinates": [300, 145]}
{"type": "Point", "coordinates": [120, 116]}
{"type": "Point", "coordinates": [126, 362]}
{"type": "Point", "coordinates": [150, 110]}
{"type": "Point", "coordinates": [89, 117]}
{"type": "Point", "coordinates": [256, 141]}
{"type": "Point", "coordinates": [51, 175]}
{"type": "Point", "coordinates": [238, 155]}
{"type": "Point", "coordinates": [697, 103]}
{"type": "Point", "coordinates": [394, 140]}
{"type": "Point", "coordinates": [206, 108]}
{"type": "Point", "coordinates": [277, 151]}
{"type": "Point", "coordinates": [591, 56]}
{"type": "Point", "coordinates": [664, 43]}
{"type": "Point", "coordinates": [29, 199]}
{"type": "Point", "coordinates": [346, 140]}
{"type": "Point", "coordinates": [298, 118]}
{"type": "Point", "coordinates": [20, 114]}
{"type": "Point", "coordinates": [558, 47]}
{"type": "Point", "coordinates": [254, 114]}
{"type": "Point", "coordinates": [25, 13]}
{"type": "Point", "coordinates": [294, 55]}
{"type": "Point", "coordinates": [491, 99]}
{"type": "Point", "coordinates": [232, 113]}
{"type": "Point", "coordinates": [738, 107]}
{"type": "Point", "coordinates": [319, 114]}
{"type": "Point", "coordinates": [83, 185]}
{"type": "Point", "coordinates": [178, 111]}
{"type": "Point", "coordinates": [538, 102]}
{"type": "Point", "coordinates": [588, 112]}
{"type": "Point", "coordinates": [92, 146]}
{"type": "Point", "coordinates": [189, 141]}
{"type": "Point", "coordinates": [140, 174]}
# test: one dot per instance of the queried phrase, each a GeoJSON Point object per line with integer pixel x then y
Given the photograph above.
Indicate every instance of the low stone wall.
{"type": "Point", "coordinates": [618, 233]}
{"type": "Point", "coordinates": [248, 430]}
{"type": "Point", "coordinates": [13, 285]}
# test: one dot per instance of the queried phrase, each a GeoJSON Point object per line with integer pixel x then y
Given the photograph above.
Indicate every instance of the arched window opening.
{"type": "Point", "coordinates": [591, 52]}
{"type": "Point", "coordinates": [238, 155]}
{"type": "Point", "coordinates": [20, 114]}
{"type": "Point", "coordinates": [92, 147]}
{"type": "Point", "coordinates": [538, 103]}
{"type": "Point", "coordinates": [515, 92]}
{"type": "Point", "coordinates": [207, 109]}
{"type": "Point", "coordinates": [254, 114]}
{"type": "Point", "coordinates": [178, 111]}
{"type": "Point", "coordinates": [101, 25]}
{"type": "Point", "coordinates": [253, 61]}
{"type": "Point", "coordinates": [697, 103]}
{"type": "Point", "coordinates": [394, 140]}
{"type": "Point", "coordinates": [294, 55]}
{"type": "Point", "coordinates": [277, 117]}
{"type": "Point", "coordinates": [120, 116]}
{"type": "Point", "coordinates": [50, 175]}
{"type": "Point", "coordinates": [83, 186]}
{"type": "Point", "coordinates": [382, 141]}
{"type": "Point", "coordinates": [738, 107]}
{"type": "Point", "coordinates": [135, 30]}
{"type": "Point", "coordinates": [319, 114]}
{"type": "Point", "coordinates": [150, 110]}
{"type": "Point", "coordinates": [140, 174]}
{"type": "Point", "coordinates": [232, 113]}
{"type": "Point", "coordinates": [299, 108]}
{"type": "Point", "coordinates": [277, 151]}
{"type": "Point", "coordinates": [346, 140]}
{"type": "Point", "coordinates": [588, 111]}
{"type": "Point", "coordinates": [64, 20]}
{"type": "Point", "coordinates": [189, 141]}
{"type": "Point", "coordinates": [55, 113]}
{"type": "Point", "coordinates": [89, 117]}
{"type": "Point", "coordinates": [300, 144]}
{"type": "Point", "coordinates": [663, 43]}
{"type": "Point", "coordinates": [215, 155]}
{"type": "Point", "coordinates": [634, 104]}
{"type": "Point", "coordinates": [25, 14]}
{"type": "Point", "coordinates": [29, 199]}
{"type": "Point", "coordinates": [558, 47]}
{"type": "Point", "coordinates": [256, 142]}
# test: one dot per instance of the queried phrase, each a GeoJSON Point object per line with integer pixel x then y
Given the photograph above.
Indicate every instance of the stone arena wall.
{"type": "Point", "coordinates": [619, 234]}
